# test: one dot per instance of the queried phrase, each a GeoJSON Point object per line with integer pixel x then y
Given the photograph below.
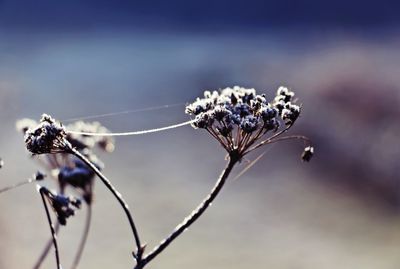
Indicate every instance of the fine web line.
{"type": "Point", "coordinates": [136, 132]}
{"type": "Point", "coordinates": [97, 116]}
{"type": "Point", "coordinates": [251, 164]}
{"type": "Point", "coordinates": [130, 133]}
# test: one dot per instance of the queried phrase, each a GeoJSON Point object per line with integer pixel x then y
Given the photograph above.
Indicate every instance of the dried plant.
{"type": "Point", "coordinates": [67, 170]}
{"type": "Point", "coordinates": [239, 119]}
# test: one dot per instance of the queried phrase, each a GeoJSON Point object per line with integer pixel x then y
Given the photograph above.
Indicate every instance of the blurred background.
{"type": "Point", "coordinates": [81, 58]}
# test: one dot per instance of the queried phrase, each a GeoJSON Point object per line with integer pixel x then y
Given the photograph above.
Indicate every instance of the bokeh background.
{"type": "Point", "coordinates": [80, 58]}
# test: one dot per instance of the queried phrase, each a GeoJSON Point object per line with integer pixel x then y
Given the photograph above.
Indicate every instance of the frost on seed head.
{"type": "Point", "coordinates": [48, 136]}
{"type": "Point", "coordinates": [238, 117]}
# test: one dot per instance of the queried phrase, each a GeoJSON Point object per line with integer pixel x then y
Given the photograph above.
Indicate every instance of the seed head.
{"type": "Point", "coordinates": [80, 177]}
{"type": "Point", "coordinates": [63, 206]}
{"type": "Point", "coordinates": [238, 117]}
{"type": "Point", "coordinates": [47, 137]}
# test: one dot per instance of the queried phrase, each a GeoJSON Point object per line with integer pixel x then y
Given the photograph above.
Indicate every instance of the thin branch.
{"type": "Point", "coordinates": [189, 220]}
{"type": "Point", "coordinates": [28, 181]}
{"type": "Point", "coordinates": [46, 249]}
{"type": "Point", "coordinates": [266, 141]}
{"type": "Point", "coordinates": [53, 233]}
{"type": "Point", "coordinates": [118, 196]}
{"type": "Point", "coordinates": [212, 132]}
{"type": "Point", "coordinates": [270, 141]}
{"type": "Point", "coordinates": [84, 237]}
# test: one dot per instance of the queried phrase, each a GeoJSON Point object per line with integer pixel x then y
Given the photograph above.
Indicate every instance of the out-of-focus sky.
{"type": "Point", "coordinates": [80, 58]}
{"type": "Point", "coordinates": [190, 15]}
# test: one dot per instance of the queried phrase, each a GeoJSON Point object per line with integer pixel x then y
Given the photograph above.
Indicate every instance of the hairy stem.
{"type": "Point", "coordinates": [118, 196]}
{"type": "Point", "coordinates": [53, 233]}
{"type": "Point", "coordinates": [84, 237]}
{"type": "Point", "coordinates": [196, 213]}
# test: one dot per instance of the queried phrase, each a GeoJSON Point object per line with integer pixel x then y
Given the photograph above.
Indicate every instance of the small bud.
{"type": "Point", "coordinates": [249, 124]}
{"type": "Point", "coordinates": [39, 176]}
{"type": "Point", "coordinates": [307, 154]}
{"type": "Point", "coordinates": [203, 120]}
{"type": "Point", "coordinates": [1, 163]}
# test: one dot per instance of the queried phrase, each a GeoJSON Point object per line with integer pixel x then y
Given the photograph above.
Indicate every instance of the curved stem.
{"type": "Point", "coordinates": [46, 249]}
{"type": "Point", "coordinates": [117, 195]}
{"type": "Point", "coordinates": [84, 237]}
{"type": "Point", "coordinates": [189, 220]}
{"type": "Point", "coordinates": [53, 233]}
{"type": "Point", "coordinates": [49, 243]}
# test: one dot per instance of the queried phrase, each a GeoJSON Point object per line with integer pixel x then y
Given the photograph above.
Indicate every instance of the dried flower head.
{"type": "Point", "coordinates": [63, 206]}
{"type": "Point", "coordinates": [80, 177]}
{"type": "Point", "coordinates": [239, 118]}
{"type": "Point", "coordinates": [80, 142]}
{"type": "Point", "coordinates": [47, 137]}
{"type": "Point", "coordinates": [66, 168]}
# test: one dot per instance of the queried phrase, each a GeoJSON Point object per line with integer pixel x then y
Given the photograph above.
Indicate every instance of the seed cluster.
{"type": "Point", "coordinates": [47, 137]}
{"type": "Point", "coordinates": [78, 176]}
{"type": "Point", "coordinates": [238, 117]}
{"type": "Point", "coordinates": [63, 206]}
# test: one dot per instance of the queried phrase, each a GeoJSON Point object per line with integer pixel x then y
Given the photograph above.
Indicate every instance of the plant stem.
{"type": "Point", "coordinates": [196, 213]}
{"type": "Point", "coordinates": [46, 249]}
{"type": "Point", "coordinates": [84, 237]}
{"type": "Point", "coordinates": [53, 233]}
{"type": "Point", "coordinates": [118, 196]}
